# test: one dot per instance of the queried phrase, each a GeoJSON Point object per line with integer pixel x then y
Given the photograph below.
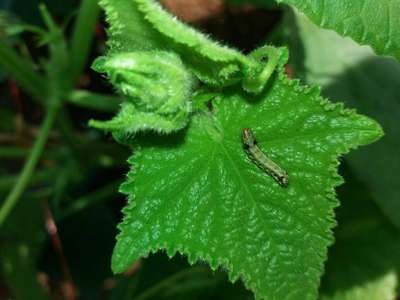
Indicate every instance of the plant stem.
{"type": "Point", "coordinates": [153, 290]}
{"type": "Point", "coordinates": [22, 71]}
{"type": "Point", "coordinates": [30, 164]}
{"type": "Point", "coordinates": [82, 37]}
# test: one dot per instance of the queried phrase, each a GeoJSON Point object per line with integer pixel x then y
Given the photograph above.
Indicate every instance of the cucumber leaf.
{"type": "Point", "coordinates": [199, 194]}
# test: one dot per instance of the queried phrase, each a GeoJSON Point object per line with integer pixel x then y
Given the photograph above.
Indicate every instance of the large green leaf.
{"type": "Point", "coordinates": [368, 22]}
{"type": "Point", "coordinates": [199, 194]}
{"type": "Point", "coordinates": [372, 85]}
{"type": "Point", "coordinates": [364, 263]}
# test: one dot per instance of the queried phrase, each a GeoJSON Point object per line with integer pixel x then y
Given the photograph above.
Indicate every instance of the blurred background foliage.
{"type": "Point", "coordinates": [57, 242]}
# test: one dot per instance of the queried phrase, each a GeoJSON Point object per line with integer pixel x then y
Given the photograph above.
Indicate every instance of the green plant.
{"type": "Point", "coordinates": [192, 188]}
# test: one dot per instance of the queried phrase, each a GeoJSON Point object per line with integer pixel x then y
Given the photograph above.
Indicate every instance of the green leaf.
{"type": "Point", "coordinates": [198, 193]}
{"type": "Point", "coordinates": [371, 84]}
{"type": "Point", "coordinates": [369, 22]}
{"type": "Point", "coordinates": [363, 264]}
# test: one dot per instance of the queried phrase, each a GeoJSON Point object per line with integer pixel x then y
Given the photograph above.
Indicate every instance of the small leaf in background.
{"type": "Point", "coordinates": [369, 22]}
{"type": "Point", "coordinates": [198, 193]}
{"type": "Point", "coordinates": [363, 264]}
{"type": "Point", "coordinates": [368, 82]}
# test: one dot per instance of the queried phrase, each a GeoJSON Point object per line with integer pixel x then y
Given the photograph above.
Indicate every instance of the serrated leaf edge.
{"type": "Point", "coordinates": [330, 194]}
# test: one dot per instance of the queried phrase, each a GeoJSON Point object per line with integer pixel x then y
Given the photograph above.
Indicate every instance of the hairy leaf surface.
{"type": "Point", "coordinates": [145, 25]}
{"type": "Point", "coordinates": [369, 22]}
{"type": "Point", "coordinates": [128, 31]}
{"type": "Point", "coordinates": [198, 193]}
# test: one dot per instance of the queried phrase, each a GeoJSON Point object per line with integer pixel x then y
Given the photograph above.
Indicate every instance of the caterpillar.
{"type": "Point", "coordinates": [261, 160]}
